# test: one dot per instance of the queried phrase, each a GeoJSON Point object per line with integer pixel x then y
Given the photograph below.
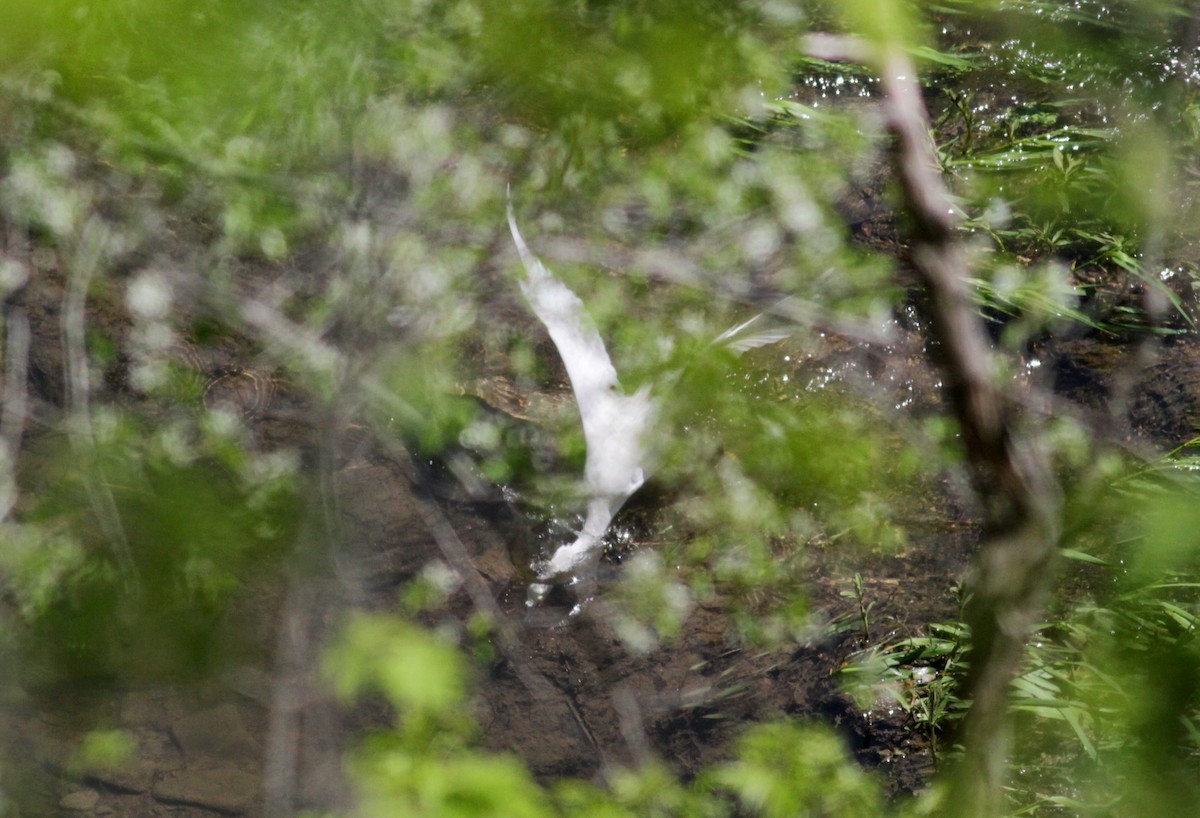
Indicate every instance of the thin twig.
{"type": "Point", "coordinates": [633, 726]}
{"type": "Point", "coordinates": [672, 267]}
{"type": "Point", "coordinates": [302, 765]}
{"type": "Point", "coordinates": [91, 246]}
{"type": "Point", "coordinates": [459, 560]}
{"type": "Point", "coordinates": [1013, 569]}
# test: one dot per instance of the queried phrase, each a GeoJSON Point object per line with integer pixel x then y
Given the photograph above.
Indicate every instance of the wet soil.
{"type": "Point", "coordinates": [565, 694]}
{"type": "Point", "coordinates": [262, 735]}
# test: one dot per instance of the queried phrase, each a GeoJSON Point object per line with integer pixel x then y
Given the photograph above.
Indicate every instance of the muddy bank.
{"type": "Point", "coordinates": [566, 695]}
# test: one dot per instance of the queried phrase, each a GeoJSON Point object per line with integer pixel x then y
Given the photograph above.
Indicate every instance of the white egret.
{"type": "Point", "coordinates": [614, 424]}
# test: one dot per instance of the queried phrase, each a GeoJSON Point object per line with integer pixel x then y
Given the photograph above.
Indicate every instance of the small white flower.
{"type": "Point", "coordinates": [149, 296]}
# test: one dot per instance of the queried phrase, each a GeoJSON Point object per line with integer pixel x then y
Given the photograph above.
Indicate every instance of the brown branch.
{"type": "Point", "coordinates": [15, 402]}
{"type": "Point", "coordinates": [1011, 474]}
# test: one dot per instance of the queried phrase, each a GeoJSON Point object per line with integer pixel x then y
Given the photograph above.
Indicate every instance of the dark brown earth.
{"type": "Point", "coordinates": [261, 734]}
{"type": "Point", "coordinates": [564, 694]}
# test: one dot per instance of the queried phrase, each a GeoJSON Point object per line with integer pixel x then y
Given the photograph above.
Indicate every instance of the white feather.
{"type": "Point", "coordinates": [754, 333]}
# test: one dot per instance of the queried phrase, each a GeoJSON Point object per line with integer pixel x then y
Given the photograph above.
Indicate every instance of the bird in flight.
{"type": "Point", "coordinates": [615, 424]}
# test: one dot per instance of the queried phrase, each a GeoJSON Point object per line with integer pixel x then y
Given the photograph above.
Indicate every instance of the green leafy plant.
{"type": "Point", "coordinates": [321, 185]}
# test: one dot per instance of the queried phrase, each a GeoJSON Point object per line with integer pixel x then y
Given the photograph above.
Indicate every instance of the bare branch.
{"type": "Point", "coordinates": [672, 267]}
{"type": "Point", "coordinates": [1011, 474]}
{"type": "Point", "coordinates": [12, 418]}
{"type": "Point", "coordinates": [90, 248]}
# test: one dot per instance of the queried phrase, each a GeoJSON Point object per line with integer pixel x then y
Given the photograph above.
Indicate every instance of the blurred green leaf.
{"type": "Point", "coordinates": [783, 770]}
{"type": "Point", "coordinates": [104, 750]}
{"type": "Point", "coordinates": [414, 669]}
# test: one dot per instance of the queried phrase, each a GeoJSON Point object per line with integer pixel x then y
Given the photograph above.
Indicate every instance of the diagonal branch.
{"type": "Point", "coordinates": [1011, 473]}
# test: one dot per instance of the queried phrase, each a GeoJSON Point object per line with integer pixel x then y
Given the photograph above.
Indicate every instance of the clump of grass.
{"type": "Point", "coordinates": [1106, 702]}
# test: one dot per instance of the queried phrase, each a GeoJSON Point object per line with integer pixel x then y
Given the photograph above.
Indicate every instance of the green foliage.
{"type": "Point", "coordinates": [104, 750]}
{"type": "Point", "coordinates": [648, 604]}
{"type": "Point", "coordinates": [811, 778]}
{"type": "Point", "coordinates": [424, 767]}
{"type": "Point", "coordinates": [462, 786]}
{"type": "Point", "coordinates": [153, 531]}
{"type": "Point", "coordinates": [888, 24]}
{"type": "Point", "coordinates": [421, 402]}
{"type": "Point", "coordinates": [427, 765]}
{"type": "Point", "coordinates": [1107, 701]}
{"type": "Point", "coordinates": [651, 790]}
{"type": "Point", "coordinates": [420, 674]}
{"type": "Point", "coordinates": [37, 561]}
{"type": "Point", "coordinates": [340, 168]}
{"type": "Point", "coordinates": [644, 70]}
{"type": "Point", "coordinates": [1047, 129]}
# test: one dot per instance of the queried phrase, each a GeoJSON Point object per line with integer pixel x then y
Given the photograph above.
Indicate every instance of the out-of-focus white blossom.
{"type": "Point", "coordinates": [149, 296]}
